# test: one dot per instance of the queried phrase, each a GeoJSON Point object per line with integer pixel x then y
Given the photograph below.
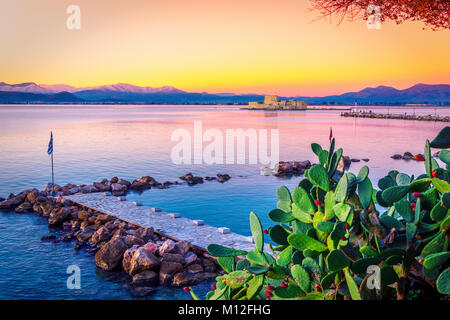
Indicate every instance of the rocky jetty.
{"type": "Point", "coordinates": [148, 257]}
{"type": "Point", "coordinates": [373, 115]}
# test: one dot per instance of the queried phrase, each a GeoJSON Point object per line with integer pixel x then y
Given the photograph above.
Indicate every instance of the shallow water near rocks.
{"type": "Point", "coordinates": [96, 142]}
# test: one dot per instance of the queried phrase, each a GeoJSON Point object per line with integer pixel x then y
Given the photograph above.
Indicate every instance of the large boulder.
{"type": "Point", "coordinates": [85, 235]}
{"type": "Point", "coordinates": [168, 246]}
{"type": "Point", "coordinates": [185, 278]}
{"type": "Point", "coordinates": [88, 189]}
{"type": "Point", "coordinates": [223, 177]}
{"type": "Point", "coordinates": [83, 215]}
{"type": "Point", "coordinates": [195, 268]}
{"type": "Point", "coordinates": [110, 255]}
{"type": "Point", "coordinates": [145, 234]}
{"type": "Point", "coordinates": [102, 187]}
{"type": "Point", "coordinates": [102, 234]}
{"type": "Point", "coordinates": [124, 182]}
{"type": "Point", "coordinates": [131, 240]}
{"type": "Point", "coordinates": [32, 196]}
{"type": "Point", "coordinates": [127, 256]}
{"type": "Point", "coordinates": [24, 208]}
{"type": "Point", "coordinates": [143, 260]}
{"type": "Point", "coordinates": [146, 277]}
{"type": "Point", "coordinates": [59, 216]}
{"type": "Point", "coordinates": [11, 203]}
{"type": "Point", "coordinates": [151, 247]}
{"type": "Point", "coordinates": [182, 247]}
{"type": "Point", "coordinates": [118, 189]}
{"type": "Point", "coordinates": [191, 180]}
{"type": "Point", "coordinates": [139, 186]}
{"type": "Point", "coordinates": [170, 267]}
{"type": "Point", "coordinates": [190, 258]}
{"type": "Point", "coordinates": [173, 257]}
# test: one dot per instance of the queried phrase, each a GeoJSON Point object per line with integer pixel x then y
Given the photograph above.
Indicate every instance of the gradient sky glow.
{"type": "Point", "coordinates": [238, 46]}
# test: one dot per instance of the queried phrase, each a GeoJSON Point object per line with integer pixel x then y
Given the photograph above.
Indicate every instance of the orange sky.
{"type": "Point", "coordinates": [243, 46]}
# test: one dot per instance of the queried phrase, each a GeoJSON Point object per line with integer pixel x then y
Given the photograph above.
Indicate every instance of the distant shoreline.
{"type": "Point", "coordinates": [243, 106]}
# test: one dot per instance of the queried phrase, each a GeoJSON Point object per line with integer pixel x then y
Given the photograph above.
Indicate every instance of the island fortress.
{"type": "Point", "coordinates": [273, 103]}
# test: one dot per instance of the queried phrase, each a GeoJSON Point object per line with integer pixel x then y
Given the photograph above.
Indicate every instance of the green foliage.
{"type": "Point", "coordinates": [443, 282]}
{"type": "Point", "coordinates": [278, 215]}
{"type": "Point", "coordinates": [221, 251]}
{"type": "Point", "coordinates": [330, 231]}
{"type": "Point", "coordinates": [337, 260]}
{"type": "Point", "coordinates": [302, 242]}
{"type": "Point", "coordinates": [442, 141]}
{"type": "Point", "coordinates": [257, 232]}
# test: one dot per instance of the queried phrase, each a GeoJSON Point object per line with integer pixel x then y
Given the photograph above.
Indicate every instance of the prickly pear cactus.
{"type": "Point", "coordinates": [338, 237]}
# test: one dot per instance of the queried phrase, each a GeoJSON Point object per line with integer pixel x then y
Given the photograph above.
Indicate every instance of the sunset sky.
{"type": "Point", "coordinates": [242, 46]}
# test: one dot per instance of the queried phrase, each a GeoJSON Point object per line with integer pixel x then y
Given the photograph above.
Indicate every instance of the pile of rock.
{"type": "Point", "coordinates": [166, 263]}
{"type": "Point", "coordinates": [191, 180]}
{"type": "Point", "coordinates": [409, 156]}
{"type": "Point", "coordinates": [146, 256]}
{"type": "Point", "coordinates": [289, 168]}
{"type": "Point", "coordinates": [118, 187]}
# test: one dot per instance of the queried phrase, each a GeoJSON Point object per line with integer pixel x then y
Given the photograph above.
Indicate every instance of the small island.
{"type": "Point", "coordinates": [273, 103]}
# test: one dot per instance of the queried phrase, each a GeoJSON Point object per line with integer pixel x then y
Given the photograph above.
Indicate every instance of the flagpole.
{"type": "Point", "coordinates": [53, 174]}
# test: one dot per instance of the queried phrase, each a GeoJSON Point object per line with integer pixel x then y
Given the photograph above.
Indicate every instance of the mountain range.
{"type": "Point", "coordinates": [31, 92]}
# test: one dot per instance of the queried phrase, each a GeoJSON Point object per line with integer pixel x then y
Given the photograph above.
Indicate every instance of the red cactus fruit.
{"type": "Point", "coordinates": [213, 287]}
{"type": "Point", "coordinates": [187, 289]}
{"type": "Point", "coordinates": [271, 288]}
{"type": "Point", "coordinates": [417, 195]}
{"type": "Point", "coordinates": [265, 231]}
{"type": "Point", "coordinates": [419, 157]}
{"type": "Point", "coordinates": [421, 261]}
{"type": "Point", "coordinates": [268, 293]}
{"type": "Point", "coordinates": [318, 287]}
{"type": "Point", "coordinates": [343, 239]}
{"type": "Point", "coordinates": [434, 173]}
{"type": "Point", "coordinates": [318, 203]}
{"type": "Point", "coordinates": [284, 284]}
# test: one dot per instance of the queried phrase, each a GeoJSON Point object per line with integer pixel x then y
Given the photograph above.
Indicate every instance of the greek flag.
{"type": "Point", "coordinates": [50, 144]}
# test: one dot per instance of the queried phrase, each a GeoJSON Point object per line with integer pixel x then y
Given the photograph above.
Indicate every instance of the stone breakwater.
{"type": "Point", "coordinates": [373, 115]}
{"type": "Point", "coordinates": [119, 187]}
{"type": "Point", "coordinates": [149, 257]}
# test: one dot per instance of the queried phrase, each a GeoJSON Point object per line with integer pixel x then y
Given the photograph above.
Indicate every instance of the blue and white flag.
{"type": "Point", "coordinates": [50, 144]}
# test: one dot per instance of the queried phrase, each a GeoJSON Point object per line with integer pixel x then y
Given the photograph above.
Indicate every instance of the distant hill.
{"type": "Point", "coordinates": [31, 92]}
{"type": "Point", "coordinates": [26, 97]}
{"type": "Point", "coordinates": [418, 94]}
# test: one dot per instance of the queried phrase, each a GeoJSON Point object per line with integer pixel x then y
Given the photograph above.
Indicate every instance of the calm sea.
{"type": "Point", "coordinates": [96, 142]}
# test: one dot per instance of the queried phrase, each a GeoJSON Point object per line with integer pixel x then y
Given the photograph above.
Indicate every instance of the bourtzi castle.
{"type": "Point", "coordinates": [273, 103]}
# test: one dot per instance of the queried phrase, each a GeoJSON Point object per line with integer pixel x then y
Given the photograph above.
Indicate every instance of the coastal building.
{"type": "Point", "coordinates": [273, 103]}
